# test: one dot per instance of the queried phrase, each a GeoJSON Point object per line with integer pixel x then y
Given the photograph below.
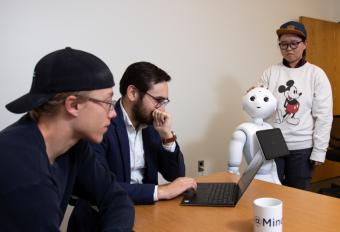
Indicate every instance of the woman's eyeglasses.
{"type": "Point", "coordinates": [292, 45]}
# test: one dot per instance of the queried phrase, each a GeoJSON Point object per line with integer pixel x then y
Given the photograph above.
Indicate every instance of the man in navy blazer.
{"type": "Point", "coordinates": [114, 153]}
{"type": "Point", "coordinates": [140, 142]}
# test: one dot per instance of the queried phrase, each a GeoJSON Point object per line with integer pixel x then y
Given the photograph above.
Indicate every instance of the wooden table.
{"type": "Point", "coordinates": [302, 211]}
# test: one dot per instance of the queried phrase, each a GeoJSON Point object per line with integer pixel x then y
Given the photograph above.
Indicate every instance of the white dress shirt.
{"type": "Point", "coordinates": [137, 161]}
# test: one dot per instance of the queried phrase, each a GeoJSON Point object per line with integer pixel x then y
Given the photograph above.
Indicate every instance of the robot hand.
{"type": "Point", "coordinates": [234, 170]}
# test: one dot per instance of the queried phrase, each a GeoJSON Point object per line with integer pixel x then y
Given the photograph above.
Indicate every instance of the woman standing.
{"type": "Point", "coordinates": [304, 112]}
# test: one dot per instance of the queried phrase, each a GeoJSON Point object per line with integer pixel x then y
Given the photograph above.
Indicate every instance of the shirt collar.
{"type": "Point", "coordinates": [298, 65]}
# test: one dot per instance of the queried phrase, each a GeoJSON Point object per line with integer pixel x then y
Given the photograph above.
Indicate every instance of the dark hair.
{"type": "Point", "coordinates": [142, 75]}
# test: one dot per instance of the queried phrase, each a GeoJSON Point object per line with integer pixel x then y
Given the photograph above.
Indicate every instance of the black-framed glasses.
{"type": "Point", "coordinates": [160, 101]}
{"type": "Point", "coordinates": [292, 45]}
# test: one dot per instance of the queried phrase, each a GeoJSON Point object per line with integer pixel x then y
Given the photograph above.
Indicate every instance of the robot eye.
{"type": "Point", "coordinates": [266, 99]}
{"type": "Point", "coordinates": [252, 98]}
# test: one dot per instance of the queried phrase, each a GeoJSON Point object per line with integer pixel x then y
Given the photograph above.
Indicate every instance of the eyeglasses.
{"type": "Point", "coordinates": [110, 104]}
{"type": "Point", "coordinates": [292, 45]}
{"type": "Point", "coordinates": [160, 101]}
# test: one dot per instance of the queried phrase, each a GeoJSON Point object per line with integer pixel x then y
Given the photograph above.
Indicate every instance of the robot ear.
{"type": "Point", "coordinates": [282, 89]}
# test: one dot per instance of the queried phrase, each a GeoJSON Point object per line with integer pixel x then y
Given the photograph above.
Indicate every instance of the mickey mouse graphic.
{"type": "Point", "coordinates": [291, 104]}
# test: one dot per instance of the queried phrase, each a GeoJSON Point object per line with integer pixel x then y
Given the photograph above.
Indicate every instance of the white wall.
{"type": "Point", "coordinates": [213, 49]}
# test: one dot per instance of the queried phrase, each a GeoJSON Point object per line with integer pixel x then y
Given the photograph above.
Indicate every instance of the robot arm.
{"type": "Point", "coordinates": [236, 151]}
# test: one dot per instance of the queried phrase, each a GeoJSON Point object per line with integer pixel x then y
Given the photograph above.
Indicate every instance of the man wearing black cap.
{"type": "Point", "coordinates": [305, 105]}
{"type": "Point", "coordinates": [44, 155]}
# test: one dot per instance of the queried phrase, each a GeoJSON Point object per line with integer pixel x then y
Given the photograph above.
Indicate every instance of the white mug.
{"type": "Point", "coordinates": [267, 215]}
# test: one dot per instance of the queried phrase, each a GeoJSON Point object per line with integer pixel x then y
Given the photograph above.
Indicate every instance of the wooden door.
{"type": "Point", "coordinates": [323, 50]}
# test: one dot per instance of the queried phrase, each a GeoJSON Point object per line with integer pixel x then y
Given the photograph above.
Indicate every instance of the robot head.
{"type": "Point", "coordinates": [259, 103]}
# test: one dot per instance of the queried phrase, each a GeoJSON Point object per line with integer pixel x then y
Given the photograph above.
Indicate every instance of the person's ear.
{"type": "Point", "coordinates": [132, 93]}
{"type": "Point", "coordinates": [72, 105]}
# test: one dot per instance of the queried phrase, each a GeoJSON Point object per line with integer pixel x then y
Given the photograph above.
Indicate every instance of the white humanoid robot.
{"type": "Point", "coordinates": [259, 103]}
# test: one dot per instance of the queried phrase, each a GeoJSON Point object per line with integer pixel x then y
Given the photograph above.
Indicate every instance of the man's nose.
{"type": "Point", "coordinates": [112, 114]}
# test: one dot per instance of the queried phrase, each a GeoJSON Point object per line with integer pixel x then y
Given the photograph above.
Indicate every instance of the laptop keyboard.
{"type": "Point", "coordinates": [221, 193]}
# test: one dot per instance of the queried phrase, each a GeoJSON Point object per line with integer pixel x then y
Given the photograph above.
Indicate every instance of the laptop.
{"type": "Point", "coordinates": [223, 194]}
{"type": "Point", "coordinates": [228, 194]}
{"type": "Point", "coordinates": [272, 143]}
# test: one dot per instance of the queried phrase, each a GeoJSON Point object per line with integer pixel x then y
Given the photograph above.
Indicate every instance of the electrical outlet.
{"type": "Point", "coordinates": [200, 167]}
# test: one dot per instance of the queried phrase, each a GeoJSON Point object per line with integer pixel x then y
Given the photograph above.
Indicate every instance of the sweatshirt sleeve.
{"type": "Point", "coordinates": [322, 111]}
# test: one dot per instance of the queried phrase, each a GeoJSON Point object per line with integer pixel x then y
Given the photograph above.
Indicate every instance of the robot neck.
{"type": "Point", "coordinates": [258, 121]}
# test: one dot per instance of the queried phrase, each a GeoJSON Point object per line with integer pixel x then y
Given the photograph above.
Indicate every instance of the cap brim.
{"type": "Point", "coordinates": [290, 31]}
{"type": "Point", "coordinates": [28, 102]}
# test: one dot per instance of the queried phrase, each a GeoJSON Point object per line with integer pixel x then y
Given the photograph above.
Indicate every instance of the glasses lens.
{"type": "Point", "coordinates": [283, 46]}
{"type": "Point", "coordinates": [109, 105]}
{"type": "Point", "coordinates": [294, 45]}
{"type": "Point", "coordinates": [162, 103]}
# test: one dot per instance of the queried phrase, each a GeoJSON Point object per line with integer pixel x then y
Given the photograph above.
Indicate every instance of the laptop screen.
{"type": "Point", "coordinates": [249, 173]}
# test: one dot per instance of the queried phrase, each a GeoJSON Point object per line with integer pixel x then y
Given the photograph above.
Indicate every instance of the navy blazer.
{"type": "Point", "coordinates": [114, 153]}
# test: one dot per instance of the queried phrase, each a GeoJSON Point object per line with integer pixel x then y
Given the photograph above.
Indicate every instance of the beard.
{"type": "Point", "coordinates": [140, 113]}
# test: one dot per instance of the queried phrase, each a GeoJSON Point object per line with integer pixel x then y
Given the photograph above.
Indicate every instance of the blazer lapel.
{"type": "Point", "coordinates": [123, 141]}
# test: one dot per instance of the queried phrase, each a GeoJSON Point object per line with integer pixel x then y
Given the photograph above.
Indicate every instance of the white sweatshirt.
{"type": "Point", "coordinates": [305, 106]}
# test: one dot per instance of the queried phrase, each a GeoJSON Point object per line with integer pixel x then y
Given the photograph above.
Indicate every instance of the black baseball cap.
{"type": "Point", "coordinates": [64, 70]}
{"type": "Point", "coordinates": [292, 27]}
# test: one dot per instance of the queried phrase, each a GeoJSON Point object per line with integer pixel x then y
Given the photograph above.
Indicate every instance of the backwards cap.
{"type": "Point", "coordinates": [64, 70]}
